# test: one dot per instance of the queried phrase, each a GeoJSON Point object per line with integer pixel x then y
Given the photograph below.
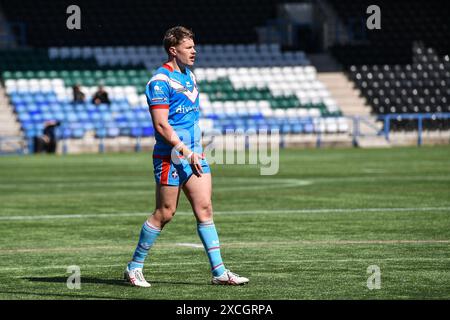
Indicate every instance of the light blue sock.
{"type": "Point", "coordinates": [148, 235]}
{"type": "Point", "coordinates": [210, 239]}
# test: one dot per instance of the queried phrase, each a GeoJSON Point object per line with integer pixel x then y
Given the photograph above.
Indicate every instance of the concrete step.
{"type": "Point", "coordinates": [339, 88]}
{"type": "Point", "coordinates": [9, 131]}
{"type": "Point", "coordinates": [11, 127]}
{"type": "Point", "coordinates": [353, 104]}
{"type": "Point", "coordinates": [355, 113]}
{"type": "Point", "coordinates": [344, 93]}
{"type": "Point", "coordinates": [7, 115]}
{"type": "Point", "coordinates": [373, 142]}
{"type": "Point", "coordinates": [5, 118]}
{"type": "Point", "coordinates": [8, 121]}
{"type": "Point", "coordinates": [9, 124]}
{"type": "Point", "coordinates": [354, 110]}
{"type": "Point", "coordinates": [342, 82]}
{"type": "Point", "coordinates": [12, 131]}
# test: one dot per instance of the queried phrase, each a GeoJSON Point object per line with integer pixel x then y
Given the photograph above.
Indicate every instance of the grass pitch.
{"type": "Point", "coordinates": [310, 232]}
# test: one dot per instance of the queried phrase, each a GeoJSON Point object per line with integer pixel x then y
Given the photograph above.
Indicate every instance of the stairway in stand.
{"type": "Point", "coordinates": [11, 138]}
{"type": "Point", "coordinates": [351, 103]}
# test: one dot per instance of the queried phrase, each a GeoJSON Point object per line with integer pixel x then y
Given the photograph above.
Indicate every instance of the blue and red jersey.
{"type": "Point", "coordinates": [176, 91]}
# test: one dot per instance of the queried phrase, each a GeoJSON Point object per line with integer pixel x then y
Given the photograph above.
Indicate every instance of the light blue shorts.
{"type": "Point", "coordinates": [168, 172]}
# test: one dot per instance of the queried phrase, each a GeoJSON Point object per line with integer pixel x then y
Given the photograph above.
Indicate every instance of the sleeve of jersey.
{"type": "Point", "coordinates": [157, 93]}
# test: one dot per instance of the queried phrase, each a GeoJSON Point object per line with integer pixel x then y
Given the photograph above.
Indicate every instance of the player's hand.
{"type": "Point", "coordinates": [195, 162]}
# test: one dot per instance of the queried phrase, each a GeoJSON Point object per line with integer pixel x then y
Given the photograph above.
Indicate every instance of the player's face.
{"type": "Point", "coordinates": [185, 52]}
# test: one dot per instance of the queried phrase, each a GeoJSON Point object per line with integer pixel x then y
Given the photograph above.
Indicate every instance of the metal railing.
{"type": "Point", "coordinates": [419, 117]}
{"type": "Point", "coordinates": [12, 145]}
{"type": "Point", "coordinates": [353, 131]}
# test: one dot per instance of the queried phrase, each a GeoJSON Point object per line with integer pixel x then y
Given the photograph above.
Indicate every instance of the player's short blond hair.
{"type": "Point", "coordinates": [174, 36]}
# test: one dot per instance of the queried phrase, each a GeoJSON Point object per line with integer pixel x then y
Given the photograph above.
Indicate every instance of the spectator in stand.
{"type": "Point", "coordinates": [47, 142]}
{"type": "Point", "coordinates": [100, 96]}
{"type": "Point", "coordinates": [78, 95]}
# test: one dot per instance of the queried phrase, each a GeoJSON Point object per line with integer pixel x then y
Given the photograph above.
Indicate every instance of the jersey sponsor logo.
{"type": "Point", "coordinates": [185, 109]}
{"type": "Point", "coordinates": [159, 99]}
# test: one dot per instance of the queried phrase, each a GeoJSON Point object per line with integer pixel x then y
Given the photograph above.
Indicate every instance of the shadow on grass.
{"type": "Point", "coordinates": [115, 282]}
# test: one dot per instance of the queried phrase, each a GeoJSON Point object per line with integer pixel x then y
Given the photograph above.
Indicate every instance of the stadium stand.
{"type": "Point", "coordinates": [245, 83]}
{"type": "Point", "coordinates": [404, 70]}
{"type": "Point", "coordinates": [280, 97]}
{"type": "Point", "coordinates": [140, 22]}
{"type": "Point", "coordinates": [420, 87]}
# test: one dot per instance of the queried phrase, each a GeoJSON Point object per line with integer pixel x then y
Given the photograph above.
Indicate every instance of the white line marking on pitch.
{"type": "Point", "coordinates": [190, 245]}
{"type": "Point", "coordinates": [244, 212]}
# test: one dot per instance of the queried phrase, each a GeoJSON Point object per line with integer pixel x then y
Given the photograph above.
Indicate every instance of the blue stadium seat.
{"type": "Point", "coordinates": [308, 127]}
{"type": "Point", "coordinates": [113, 132]}
{"type": "Point", "coordinates": [101, 133]}
{"type": "Point", "coordinates": [78, 133]}
{"type": "Point", "coordinates": [27, 125]}
{"type": "Point", "coordinates": [83, 116]}
{"type": "Point", "coordinates": [65, 133]}
{"type": "Point", "coordinates": [24, 116]}
{"type": "Point", "coordinates": [30, 133]}
{"type": "Point", "coordinates": [31, 107]}
{"type": "Point", "coordinates": [148, 131]}
{"type": "Point", "coordinates": [106, 116]}
{"type": "Point", "coordinates": [94, 115]}
{"type": "Point", "coordinates": [297, 128]}
{"type": "Point", "coordinates": [136, 132]}
{"type": "Point", "coordinates": [125, 131]}
{"type": "Point", "coordinates": [71, 117]}
{"type": "Point", "coordinates": [36, 117]}
{"type": "Point", "coordinates": [88, 126]}
{"type": "Point", "coordinates": [58, 116]}
{"type": "Point", "coordinates": [47, 116]}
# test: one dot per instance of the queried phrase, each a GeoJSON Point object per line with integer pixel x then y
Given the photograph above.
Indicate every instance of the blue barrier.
{"type": "Point", "coordinates": [410, 116]}
{"type": "Point", "coordinates": [314, 128]}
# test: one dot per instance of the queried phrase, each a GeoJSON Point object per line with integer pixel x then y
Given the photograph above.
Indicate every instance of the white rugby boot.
{"type": "Point", "coordinates": [135, 277]}
{"type": "Point", "coordinates": [229, 278]}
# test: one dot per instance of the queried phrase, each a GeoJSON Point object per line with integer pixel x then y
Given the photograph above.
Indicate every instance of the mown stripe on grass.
{"type": "Point", "coordinates": [177, 264]}
{"type": "Point", "coordinates": [266, 244]}
{"type": "Point", "coordinates": [243, 212]}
